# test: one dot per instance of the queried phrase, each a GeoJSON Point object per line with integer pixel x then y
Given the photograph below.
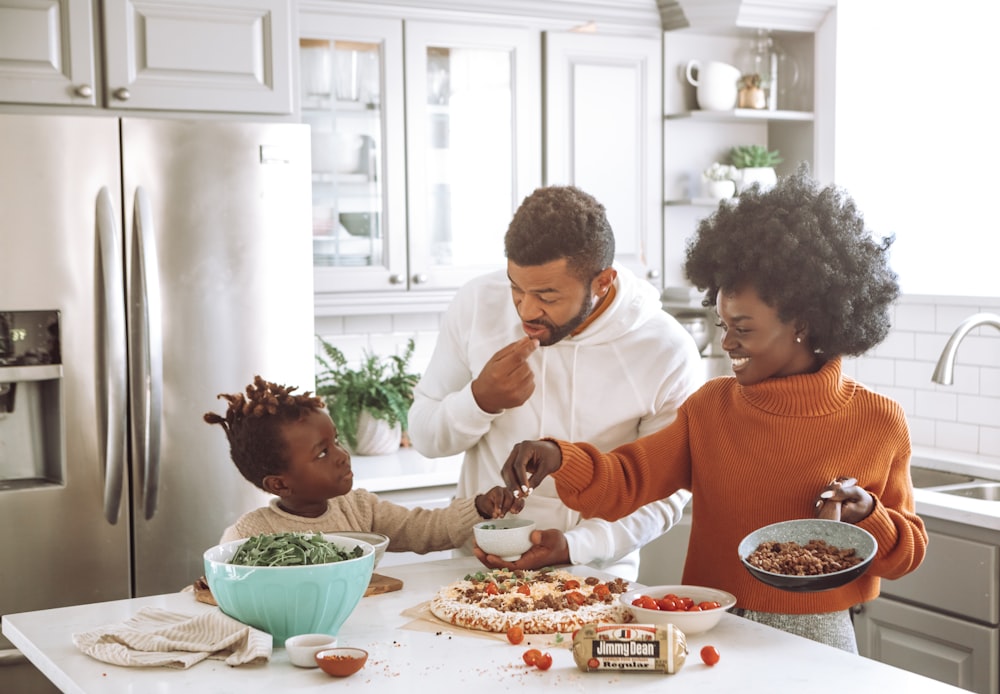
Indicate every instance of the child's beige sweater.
{"type": "Point", "coordinates": [409, 530]}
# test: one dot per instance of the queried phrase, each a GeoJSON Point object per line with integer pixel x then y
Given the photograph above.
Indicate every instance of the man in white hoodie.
{"type": "Point", "coordinates": [587, 354]}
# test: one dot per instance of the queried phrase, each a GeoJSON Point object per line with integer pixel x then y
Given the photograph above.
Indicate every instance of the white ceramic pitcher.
{"type": "Point", "coordinates": [717, 84]}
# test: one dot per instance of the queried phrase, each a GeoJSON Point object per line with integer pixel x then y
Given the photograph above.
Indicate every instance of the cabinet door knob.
{"type": "Point", "coordinates": [419, 278]}
{"type": "Point", "coordinates": [395, 278]}
{"type": "Point", "coordinates": [122, 94]}
{"type": "Point", "coordinates": [84, 90]}
{"type": "Point", "coordinates": [653, 274]}
{"type": "Point", "coordinates": [858, 609]}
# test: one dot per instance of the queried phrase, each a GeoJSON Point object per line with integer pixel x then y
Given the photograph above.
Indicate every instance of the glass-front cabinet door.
{"type": "Point", "coordinates": [351, 96]}
{"type": "Point", "coordinates": [473, 98]}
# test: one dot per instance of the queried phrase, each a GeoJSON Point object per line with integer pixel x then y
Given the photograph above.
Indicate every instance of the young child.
{"type": "Point", "coordinates": [287, 445]}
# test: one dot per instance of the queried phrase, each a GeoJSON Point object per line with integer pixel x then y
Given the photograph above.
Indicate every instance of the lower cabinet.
{"type": "Point", "coordinates": [943, 619]}
{"type": "Point", "coordinates": [935, 645]}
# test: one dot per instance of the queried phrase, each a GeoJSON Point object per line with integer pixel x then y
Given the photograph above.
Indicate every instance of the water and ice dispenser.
{"type": "Point", "coordinates": [30, 385]}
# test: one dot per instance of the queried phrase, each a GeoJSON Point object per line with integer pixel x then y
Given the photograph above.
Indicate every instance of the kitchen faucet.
{"type": "Point", "coordinates": [944, 370]}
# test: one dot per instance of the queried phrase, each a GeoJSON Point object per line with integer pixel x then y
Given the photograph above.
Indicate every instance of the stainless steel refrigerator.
{"type": "Point", "coordinates": [145, 267]}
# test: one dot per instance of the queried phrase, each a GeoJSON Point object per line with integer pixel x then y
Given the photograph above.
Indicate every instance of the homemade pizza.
{"type": "Point", "coordinates": [546, 601]}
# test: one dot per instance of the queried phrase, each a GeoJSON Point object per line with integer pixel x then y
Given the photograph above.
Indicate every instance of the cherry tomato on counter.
{"type": "Point", "coordinates": [544, 661]}
{"type": "Point", "coordinates": [531, 656]}
{"type": "Point", "coordinates": [709, 655]}
{"type": "Point", "coordinates": [515, 635]}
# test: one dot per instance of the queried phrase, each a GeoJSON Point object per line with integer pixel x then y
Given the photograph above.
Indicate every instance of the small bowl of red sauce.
{"type": "Point", "coordinates": [342, 661]}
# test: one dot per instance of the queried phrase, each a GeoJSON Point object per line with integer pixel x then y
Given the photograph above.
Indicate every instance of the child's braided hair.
{"type": "Point", "coordinates": [253, 426]}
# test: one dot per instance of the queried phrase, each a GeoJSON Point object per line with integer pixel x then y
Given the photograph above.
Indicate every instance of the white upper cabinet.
{"type": "Point", "coordinates": [177, 55]}
{"type": "Point", "coordinates": [602, 134]}
{"type": "Point", "coordinates": [47, 52]}
{"type": "Point", "coordinates": [421, 154]}
{"type": "Point", "coordinates": [473, 121]}
{"type": "Point", "coordinates": [351, 96]}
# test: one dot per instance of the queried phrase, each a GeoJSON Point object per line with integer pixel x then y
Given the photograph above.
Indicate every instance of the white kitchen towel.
{"type": "Point", "coordinates": [155, 637]}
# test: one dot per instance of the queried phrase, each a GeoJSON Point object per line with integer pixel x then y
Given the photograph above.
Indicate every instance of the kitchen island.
{"type": "Point", "coordinates": [407, 655]}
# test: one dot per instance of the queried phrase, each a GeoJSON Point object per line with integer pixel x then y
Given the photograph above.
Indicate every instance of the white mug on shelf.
{"type": "Point", "coordinates": [717, 84]}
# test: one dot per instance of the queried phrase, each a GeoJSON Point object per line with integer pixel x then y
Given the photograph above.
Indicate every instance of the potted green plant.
{"type": "Point", "coordinates": [755, 164]}
{"type": "Point", "coordinates": [368, 404]}
{"type": "Point", "coordinates": [718, 181]}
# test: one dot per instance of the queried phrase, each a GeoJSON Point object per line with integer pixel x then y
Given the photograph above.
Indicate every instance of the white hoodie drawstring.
{"type": "Point", "coordinates": [541, 420]}
{"type": "Point", "coordinates": [572, 395]}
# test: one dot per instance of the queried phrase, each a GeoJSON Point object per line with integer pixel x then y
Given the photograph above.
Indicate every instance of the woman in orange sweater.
{"type": "Point", "coordinates": [797, 282]}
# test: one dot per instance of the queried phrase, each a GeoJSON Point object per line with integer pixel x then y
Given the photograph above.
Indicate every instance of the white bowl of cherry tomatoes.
{"type": "Point", "coordinates": [692, 609]}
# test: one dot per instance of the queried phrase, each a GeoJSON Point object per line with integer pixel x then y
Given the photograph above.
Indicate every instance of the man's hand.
{"type": "Point", "coordinates": [506, 380]}
{"type": "Point", "coordinates": [548, 548]}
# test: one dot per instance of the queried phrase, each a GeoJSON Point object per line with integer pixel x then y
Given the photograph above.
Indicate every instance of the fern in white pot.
{"type": "Point", "coordinates": [370, 404]}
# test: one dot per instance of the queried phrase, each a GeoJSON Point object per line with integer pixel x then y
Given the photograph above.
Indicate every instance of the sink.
{"type": "Point", "coordinates": [924, 477]}
{"type": "Point", "coordinates": [985, 491]}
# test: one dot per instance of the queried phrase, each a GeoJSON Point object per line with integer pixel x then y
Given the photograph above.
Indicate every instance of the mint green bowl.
{"type": "Point", "coordinates": [287, 601]}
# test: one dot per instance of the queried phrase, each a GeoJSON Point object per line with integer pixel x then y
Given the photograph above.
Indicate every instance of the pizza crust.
{"type": "Point", "coordinates": [464, 604]}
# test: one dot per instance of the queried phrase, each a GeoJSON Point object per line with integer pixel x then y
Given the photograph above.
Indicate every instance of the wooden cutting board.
{"type": "Point", "coordinates": [383, 584]}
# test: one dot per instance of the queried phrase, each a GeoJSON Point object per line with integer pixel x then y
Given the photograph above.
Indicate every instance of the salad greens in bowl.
{"type": "Point", "coordinates": [290, 583]}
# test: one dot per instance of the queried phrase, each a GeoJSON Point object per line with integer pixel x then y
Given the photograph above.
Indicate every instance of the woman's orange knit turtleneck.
{"type": "Point", "coordinates": [761, 454]}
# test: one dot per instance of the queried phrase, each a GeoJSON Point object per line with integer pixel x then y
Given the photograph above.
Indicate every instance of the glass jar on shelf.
{"type": "Point", "coordinates": [767, 65]}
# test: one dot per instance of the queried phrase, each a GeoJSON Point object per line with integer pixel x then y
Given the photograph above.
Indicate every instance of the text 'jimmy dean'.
{"type": "Point", "coordinates": [643, 649]}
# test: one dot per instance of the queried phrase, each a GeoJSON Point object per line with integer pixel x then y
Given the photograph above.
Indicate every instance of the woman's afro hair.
{"type": "Point", "coordinates": [807, 253]}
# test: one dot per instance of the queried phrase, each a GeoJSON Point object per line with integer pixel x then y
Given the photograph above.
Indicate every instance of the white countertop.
{"type": "Point", "coordinates": [405, 469]}
{"type": "Point", "coordinates": [755, 658]}
{"type": "Point", "coordinates": [959, 509]}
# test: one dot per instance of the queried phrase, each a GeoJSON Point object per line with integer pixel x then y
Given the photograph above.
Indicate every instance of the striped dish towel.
{"type": "Point", "coordinates": [155, 637]}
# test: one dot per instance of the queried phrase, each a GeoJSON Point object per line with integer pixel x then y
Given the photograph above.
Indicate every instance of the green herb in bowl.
{"type": "Point", "coordinates": [290, 549]}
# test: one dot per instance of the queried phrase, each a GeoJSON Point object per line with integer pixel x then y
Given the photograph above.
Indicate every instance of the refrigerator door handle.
{"type": "Point", "coordinates": [146, 350]}
{"type": "Point", "coordinates": [111, 358]}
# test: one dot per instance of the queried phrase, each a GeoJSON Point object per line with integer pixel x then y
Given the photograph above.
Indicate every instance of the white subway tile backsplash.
{"type": "Point", "coordinates": [921, 432]}
{"type": "Point", "coordinates": [928, 346]}
{"type": "Point", "coordinates": [368, 324]}
{"type": "Point", "coordinates": [416, 322]}
{"type": "Point", "coordinates": [875, 371]}
{"type": "Point", "coordinates": [962, 417]}
{"type": "Point", "coordinates": [913, 318]}
{"type": "Point", "coordinates": [948, 316]}
{"type": "Point", "coordinates": [329, 325]}
{"type": "Point", "coordinates": [898, 345]}
{"type": "Point", "coordinates": [955, 436]}
{"type": "Point", "coordinates": [932, 405]}
{"type": "Point", "coordinates": [978, 410]}
{"type": "Point", "coordinates": [914, 374]}
{"type": "Point", "coordinates": [989, 383]}
{"type": "Point", "coordinates": [989, 440]}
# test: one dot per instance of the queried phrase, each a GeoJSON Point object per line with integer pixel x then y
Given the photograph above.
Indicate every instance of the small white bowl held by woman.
{"type": "Point", "coordinates": [507, 538]}
{"type": "Point", "coordinates": [302, 649]}
{"type": "Point", "coordinates": [713, 603]}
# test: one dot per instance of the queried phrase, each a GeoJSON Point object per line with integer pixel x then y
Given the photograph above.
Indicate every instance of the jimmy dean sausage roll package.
{"type": "Point", "coordinates": [644, 647]}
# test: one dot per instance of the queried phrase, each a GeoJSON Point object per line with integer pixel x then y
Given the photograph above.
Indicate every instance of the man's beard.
{"type": "Point", "coordinates": [558, 332]}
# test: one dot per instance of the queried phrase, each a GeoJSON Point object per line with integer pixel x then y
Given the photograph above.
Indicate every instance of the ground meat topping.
{"type": "Point", "coordinates": [814, 558]}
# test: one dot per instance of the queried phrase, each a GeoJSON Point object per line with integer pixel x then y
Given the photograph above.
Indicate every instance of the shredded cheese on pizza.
{"type": "Point", "coordinates": [547, 601]}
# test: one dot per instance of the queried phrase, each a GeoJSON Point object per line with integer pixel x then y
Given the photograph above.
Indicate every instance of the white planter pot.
{"type": "Point", "coordinates": [377, 436]}
{"type": "Point", "coordinates": [765, 175]}
{"type": "Point", "coordinates": [718, 190]}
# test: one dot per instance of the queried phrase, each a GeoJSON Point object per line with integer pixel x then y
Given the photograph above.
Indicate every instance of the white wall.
{"type": "Point", "coordinates": [916, 139]}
